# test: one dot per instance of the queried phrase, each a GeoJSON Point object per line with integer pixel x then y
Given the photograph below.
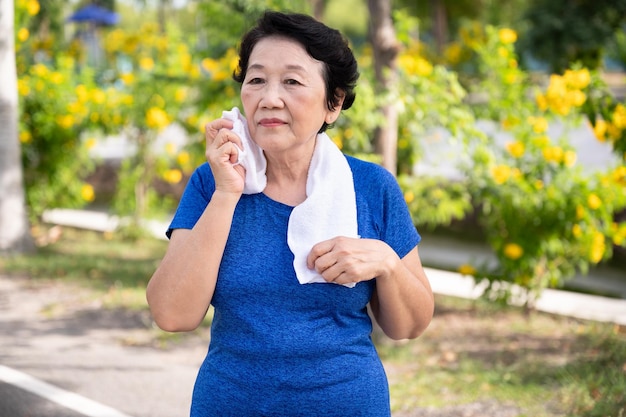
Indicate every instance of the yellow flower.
{"type": "Point", "coordinates": [180, 94]}
{"type": "Point", "coordinates": [599, 130]}
{"type": "Point", "coordinates": [232, 58]}
{"type": "Point", "coordinates": [170, 148]}
{"type": "Point", "coordinates": [466, 269]}
{"type": "Point", "coordinates": [220, 75]}
{"type": "Point", "coordinates": [619, 116]}
{"type": "Point", "coordinates": [338, 140]}
{"type": "Point", "coordinates": [613, 131]}
{"type": "Point", "coordinates": [209, 65]}
{"type": "Point", "coordinates": [577, 231]}
{"type": "Point", "coordinates": [82, 93]}
{"type": "Point", "coordinates": [40, 70]}
{"type": "Point", "coordinates": [23, 35]}
{"type": "Point", "coordinates": [90, 143]}
{"type": "Point", "coordinates": [507, 35]}
{"type": "Point", "coordinates": [580, 212]}
{"type": "Point", "coordinates": [146, 63]}
{"type": "Point", "coordinates": [183, 158]}
{"type": "Point", "coordinates": [576, 97]}
{"type": "Point", "coordinates": [619, 237]}
{"type": "Point", "coordinates": [33, 7]}
{"type": "Point", "coordinates": [22, 88]}
{"type": "Point", "coordinates": [598, 248]}
{"type": "Point", "coordinates": [569, 158]}
{"type": "Point", "coordinates": [173, 176]}
{"type": "Point", "coordinates": [509, 123]}
{"type": "Point", "coordinates": [619, 175]}
{"type": "Point", "coordinates": [577, 79]}
{"type": "Point", "coordinates": [513, 251]}
{"type": "Point", "coordinates": [453, 53]}
{"type": "Point", "coordinates": [156, 118]}
{"type": "Point", "coordinates": [56, 78]}
{"type": "Point", "coordinates": [98, 96]}
{"type": "Point", "coordinates": [409, 196]}
{"type": "Point", "coordinates": [87, 193]}
{"type": "Point", "coordinates": [423, 67]}
{"type": "Point", "coordinates": [65, 121]}
{"type": "Point", "coordinates": [500, 173]}
{"type": "Point", "coordinates": [542, 102]}
{"type": "Point", "coordinates": [553, 154]}
{"type": "Point", "coordinates": [25, 136]}
{"type": "Point", "coordinates": [539, 124]}
{"type": "Point", "coordinates": [516, 149]}
{"type": "Point", "coordinates": [538, 184]}
{"type": "Point", "coordinates": [128, 78]}
{"type": "Point", "coordinates": [593, 201]}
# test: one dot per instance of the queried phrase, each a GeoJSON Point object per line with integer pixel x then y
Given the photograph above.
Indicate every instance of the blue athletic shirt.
{"type": "Point", "coordinates": [280, 348]}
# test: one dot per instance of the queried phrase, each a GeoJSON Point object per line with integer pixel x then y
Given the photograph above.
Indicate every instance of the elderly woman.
{"type": "Point", "coordinates": [291, 330]}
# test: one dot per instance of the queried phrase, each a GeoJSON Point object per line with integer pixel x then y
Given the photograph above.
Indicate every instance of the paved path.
{"type": "Point", "coordinates": [83, 360]}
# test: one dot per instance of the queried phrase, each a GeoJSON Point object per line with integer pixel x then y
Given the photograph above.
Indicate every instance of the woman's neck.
{"type": "Point", "coordinates": [286, 181]}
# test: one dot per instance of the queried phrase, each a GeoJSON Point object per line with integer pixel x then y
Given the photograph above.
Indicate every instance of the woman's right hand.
{"type": "Point", "coordinates": [222, 153]}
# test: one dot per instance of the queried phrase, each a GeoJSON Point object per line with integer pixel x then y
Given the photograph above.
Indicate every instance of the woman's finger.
{"type": "Point", "coordinates": [213, 128]}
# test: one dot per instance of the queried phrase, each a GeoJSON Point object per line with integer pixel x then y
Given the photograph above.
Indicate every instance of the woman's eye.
{"type": "Point", "coordinates": [255, 81]}
{"type": "Point", "coordinates": [291, 81]}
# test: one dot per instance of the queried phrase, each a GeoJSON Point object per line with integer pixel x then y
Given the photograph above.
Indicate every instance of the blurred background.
{"type": "Point", "coordinates": [504, 122]}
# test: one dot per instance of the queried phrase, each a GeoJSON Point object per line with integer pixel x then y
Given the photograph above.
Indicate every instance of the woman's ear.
{"type": "Point", "coordinates": [333, 115]}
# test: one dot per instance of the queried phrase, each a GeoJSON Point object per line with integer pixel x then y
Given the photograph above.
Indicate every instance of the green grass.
{"type": "Point", "coordinates": [473, 351]}
{"type": "Point", "coordinates": [114, 269]}
{"type": "Point", "coordinates": [545, 365]}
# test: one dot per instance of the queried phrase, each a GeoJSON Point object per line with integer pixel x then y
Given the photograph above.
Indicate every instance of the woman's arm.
{"type": "Point", "coordinates": [403, 302]}
{"type": "Point", "coordinates": [180, 290]}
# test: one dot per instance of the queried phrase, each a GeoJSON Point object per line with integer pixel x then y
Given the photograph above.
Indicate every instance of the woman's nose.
{"type": "Point", "coordinates": [272, 96]}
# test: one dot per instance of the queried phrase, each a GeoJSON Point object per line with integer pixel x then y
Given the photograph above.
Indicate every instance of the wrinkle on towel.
{"type": "Point", "coordinates": [251, 156]}
{"type": "Point", "coordinates": [330, 207]}
{"type": "Point", "coordinates": [328, 211]}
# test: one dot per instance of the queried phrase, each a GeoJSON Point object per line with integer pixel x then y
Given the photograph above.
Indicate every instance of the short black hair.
{"type": "Point", "coordinates": [322, 43]}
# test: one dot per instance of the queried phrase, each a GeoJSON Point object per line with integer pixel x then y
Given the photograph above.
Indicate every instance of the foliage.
{"type": "Point", "coordinates": [435, 201]}
{"type": "Point", "coordinates": [564, 32]}
{"type": "Point", "coordinates": [544, 217]}
{"type": "Point", "coordinates": [607, 116]}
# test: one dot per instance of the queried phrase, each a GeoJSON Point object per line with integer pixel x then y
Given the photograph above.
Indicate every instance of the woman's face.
{"type": "Point", "coordinates": [284, 96]}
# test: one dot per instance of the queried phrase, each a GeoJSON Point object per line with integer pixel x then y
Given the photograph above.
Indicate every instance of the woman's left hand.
{"type": "Point", "coordinates": [344, 260]}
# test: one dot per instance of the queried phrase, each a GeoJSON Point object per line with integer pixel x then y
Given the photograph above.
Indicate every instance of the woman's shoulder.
{"type": "Point", "coordinates": [363, 170]}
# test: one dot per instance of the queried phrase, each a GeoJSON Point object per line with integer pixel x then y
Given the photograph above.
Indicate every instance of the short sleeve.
{"type": "Point", "coordinates": [382, 210]}
{"type": "Point", "coordinates": [194, 200]}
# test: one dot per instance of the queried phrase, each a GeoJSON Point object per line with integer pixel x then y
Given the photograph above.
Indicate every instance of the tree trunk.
{"type": "Point", "coordinates": [385, 47]}
{"type": "Point", "coordinates": [14, 228]}
{"type": "Point", "coordinates": [318, 7]}
{"type": "Point", "coordinates": [440, 19]}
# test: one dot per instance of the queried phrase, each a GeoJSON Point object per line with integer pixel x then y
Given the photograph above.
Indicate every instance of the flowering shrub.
{"type": "Point", "coordinates": [53, 118]}
{"type": "Point", "coordinates": [50, 134]}
{"type": "Point", "coordinates": [544, 218]}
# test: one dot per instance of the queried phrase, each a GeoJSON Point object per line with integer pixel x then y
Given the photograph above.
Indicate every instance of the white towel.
{"type": "Point", "coordinates": [328, 211]}
{"type": "Point", "coordinates": [330, 207]}
{"type": "Point", "coordinates": [251, 156]}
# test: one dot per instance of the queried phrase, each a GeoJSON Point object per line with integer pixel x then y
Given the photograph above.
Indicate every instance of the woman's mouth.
{"type": "Point", "coordinates": [271, 122]}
